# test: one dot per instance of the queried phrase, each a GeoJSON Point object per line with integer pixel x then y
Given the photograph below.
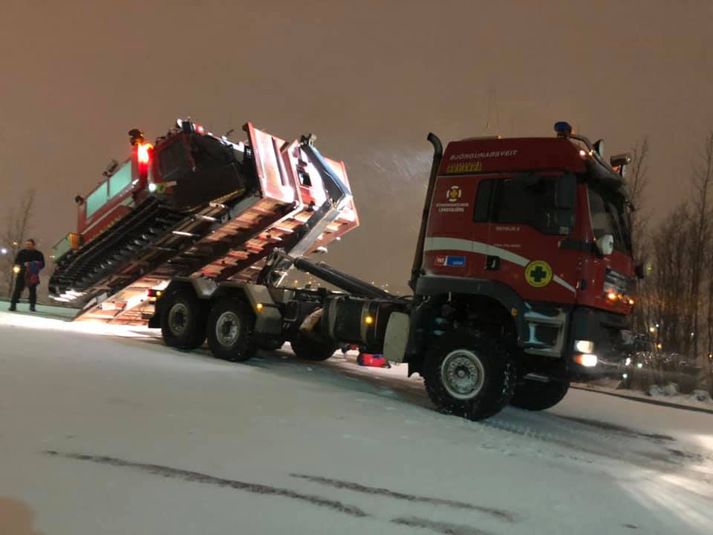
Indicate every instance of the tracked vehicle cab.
{"type": "Point", "coordinates": [190, 167]}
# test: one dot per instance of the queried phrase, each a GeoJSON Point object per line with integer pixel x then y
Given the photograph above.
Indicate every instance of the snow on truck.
{"type": "Point", "coordinates": [522, 279]}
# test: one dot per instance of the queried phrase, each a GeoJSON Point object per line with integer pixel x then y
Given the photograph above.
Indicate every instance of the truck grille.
{"type": "Point", "coordinates": [621, 284]}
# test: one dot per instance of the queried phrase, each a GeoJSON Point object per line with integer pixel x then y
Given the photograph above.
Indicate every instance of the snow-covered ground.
{"type": "Point", "coordinates": [697, 400]}
{"type": "Point", "coordinates": [106, 431]}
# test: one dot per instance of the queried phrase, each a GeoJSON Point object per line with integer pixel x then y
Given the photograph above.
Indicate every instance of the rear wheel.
{"type": "Point", "coordinates": [469, 374]}
{"type": "Point", "coordinates": [312, 347]}
{"type": "Point", "coordinates": [183, 320]}
{"type": "Point", "coordinates": [534, 395]}
{"type": "Point", "coordinates": [230, 331]}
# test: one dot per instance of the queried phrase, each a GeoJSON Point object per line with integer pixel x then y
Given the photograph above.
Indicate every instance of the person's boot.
{"type": "Point", "coordinates": [12, 308]}
{"type": "Point", "coordinates": [32, 308]}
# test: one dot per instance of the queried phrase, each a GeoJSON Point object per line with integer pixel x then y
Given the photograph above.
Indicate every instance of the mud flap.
{"type": "Point", "coordinates": [396, 337]}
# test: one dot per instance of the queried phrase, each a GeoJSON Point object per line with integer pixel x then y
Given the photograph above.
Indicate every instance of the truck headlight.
{"type": "Point", "coordinates": [587, 360]}
{"type": "Point", "coordinates": [584, 346]}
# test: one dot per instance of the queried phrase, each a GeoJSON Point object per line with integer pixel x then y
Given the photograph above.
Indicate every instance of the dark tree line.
{"type": "Point", "coordinates": [675, 305]}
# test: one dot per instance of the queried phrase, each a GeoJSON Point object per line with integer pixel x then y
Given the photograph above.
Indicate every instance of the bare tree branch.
{"type": "Point", "coordinates": [15, 231]}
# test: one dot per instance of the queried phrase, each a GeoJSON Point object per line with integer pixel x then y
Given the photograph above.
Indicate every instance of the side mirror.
{"type": "Point", "coordinates": [599, 147]}
{"type": "Point", "coordinates": [605, 244]}
{"type": "Point", "coordinates": [619, 162]}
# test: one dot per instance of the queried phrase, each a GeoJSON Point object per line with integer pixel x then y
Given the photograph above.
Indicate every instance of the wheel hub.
{"type": "Point", "coordinates": [227, 328]}
{"type": "Point", "coordinates": [178, 318]}
{"type": "Point", "coordinates": [462, 374]}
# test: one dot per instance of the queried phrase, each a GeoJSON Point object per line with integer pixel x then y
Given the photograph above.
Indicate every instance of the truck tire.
{"type": "Point", "coordinates": [230, 330]}
{"type": "Point", "coordinates": [469, 374]}
{"type": "Point", "coordinates": [311, 347]}
{"type": "Point", "coordinates": [535, 395]}
{"type": "Point", "coordinates": [183, 320]}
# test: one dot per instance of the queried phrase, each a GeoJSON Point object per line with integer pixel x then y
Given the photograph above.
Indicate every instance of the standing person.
{"type": "Point", "coordinates": [28, 264]}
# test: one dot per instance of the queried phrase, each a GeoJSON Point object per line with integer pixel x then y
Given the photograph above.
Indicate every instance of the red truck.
{"type": "Point", "coordinates": [523, 278]}
{"type": "Point", "coordinates": [523, 275]}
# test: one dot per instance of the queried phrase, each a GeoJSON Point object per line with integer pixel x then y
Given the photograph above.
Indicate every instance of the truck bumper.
{"type": "Point", "coordinates": [608, 332]}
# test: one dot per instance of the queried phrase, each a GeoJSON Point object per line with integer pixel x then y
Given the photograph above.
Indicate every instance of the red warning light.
{"type": "Point", "coordinates": [144, 152]}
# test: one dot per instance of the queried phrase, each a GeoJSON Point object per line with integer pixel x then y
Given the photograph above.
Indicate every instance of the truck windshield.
{"type": "Point", "coordinates": [609, 213]}
{"type": "Point", "coordinates": [545, 202]}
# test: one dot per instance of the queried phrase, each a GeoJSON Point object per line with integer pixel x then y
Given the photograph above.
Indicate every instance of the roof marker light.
{"type": "Point", "coordinates": [563, 129]}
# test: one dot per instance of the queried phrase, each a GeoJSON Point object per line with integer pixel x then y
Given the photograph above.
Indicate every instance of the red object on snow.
{"type": "Point", "coordinates": [369, 359]}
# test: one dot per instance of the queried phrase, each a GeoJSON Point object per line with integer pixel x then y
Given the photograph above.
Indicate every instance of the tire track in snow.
{"type": "Point", "coordinates": [650, 401]}
{"type": "Point", "coordinates": [191, 476]}
{"type": "Point", "coordinates": [206, 479]}
{"type": "Point", "coordinates": [500, 514]}
{"type": "Point", "coordinates": [446, 528]}
{"type": "Point", "coordinates": [583, 439]}
{"type": "Point", "coordinates": [606, 426]}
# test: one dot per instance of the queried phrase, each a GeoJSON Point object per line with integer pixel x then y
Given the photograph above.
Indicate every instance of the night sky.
{"type": "Point", "coordinates": [369, 78]}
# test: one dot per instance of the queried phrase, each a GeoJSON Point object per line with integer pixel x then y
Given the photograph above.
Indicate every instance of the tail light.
{"type": "Point", "coordinates": [143, 158]}
{"type": "Point", "coordinates": [144, 152]}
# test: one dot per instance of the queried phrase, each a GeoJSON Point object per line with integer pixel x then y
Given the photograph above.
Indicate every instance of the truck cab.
{"type": "Point", "coordinates": [526, 243]}
{"type": "Point", "coordinates": [544, 226]}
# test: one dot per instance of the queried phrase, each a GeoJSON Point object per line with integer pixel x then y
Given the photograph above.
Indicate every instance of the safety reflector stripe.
{"type": "Point", "coordinates": [471, 246]}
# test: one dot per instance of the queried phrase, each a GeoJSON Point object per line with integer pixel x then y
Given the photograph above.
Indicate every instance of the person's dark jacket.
{"type": "Point", "coordinates": [28, 255]}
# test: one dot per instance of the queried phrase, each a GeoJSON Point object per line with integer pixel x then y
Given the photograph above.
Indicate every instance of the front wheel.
{"type": "Point", "coordinates": [230, 331]}
{"type": "Point", "coordinates": [469, 374]}
{"type": "Point", "coordinates": [534, 395]}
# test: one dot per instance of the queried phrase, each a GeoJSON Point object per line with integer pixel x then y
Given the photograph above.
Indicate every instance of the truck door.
{"type": "Point", "coordinates": [528, 216]}
{"type": "Point", "coordinates": [449, 246]}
